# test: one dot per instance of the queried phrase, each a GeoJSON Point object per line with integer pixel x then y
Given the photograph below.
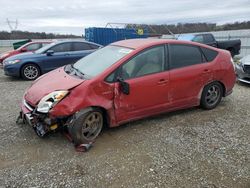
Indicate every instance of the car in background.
{"type": "Point", "coordinates": [31, 65]}
{"type": "Point", "coordinates": [233, 46]}
{"type": "Point", "coordinates": [243, 69]}
{"type": "Point", "coordinates": [28, 47]}
{"type": "Point", "coordinates": [125, 81]}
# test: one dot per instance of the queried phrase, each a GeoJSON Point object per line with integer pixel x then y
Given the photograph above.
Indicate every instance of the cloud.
{"type": "Point", "coordinates": [64, 16]}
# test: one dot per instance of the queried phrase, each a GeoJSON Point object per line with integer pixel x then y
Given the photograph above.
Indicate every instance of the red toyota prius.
{"type": "Point", "coordinates": [125, 81]}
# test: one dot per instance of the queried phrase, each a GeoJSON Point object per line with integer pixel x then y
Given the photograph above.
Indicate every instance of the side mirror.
{"type": "Point", "coordinates": [24, 50]}
{"type": "Point", "coordinates": [50, 52]}
{"type": "Point", "coordinates": [124, 86]}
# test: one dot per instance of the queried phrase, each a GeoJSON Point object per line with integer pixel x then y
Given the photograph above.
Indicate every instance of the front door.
{"type": "Point", "coordinates": [148, 81]}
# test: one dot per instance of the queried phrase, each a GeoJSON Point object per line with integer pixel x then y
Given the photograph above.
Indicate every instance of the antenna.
{"type": "Point", "coordinates": [12, 24]}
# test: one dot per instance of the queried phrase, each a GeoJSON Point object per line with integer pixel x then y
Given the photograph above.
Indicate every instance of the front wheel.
{"type": "Point", "coordinates": [211, 95]}
{"type": "Point", "coordinates": [30, 72]}
{"type": "Point", "coordinates": [86, 126]}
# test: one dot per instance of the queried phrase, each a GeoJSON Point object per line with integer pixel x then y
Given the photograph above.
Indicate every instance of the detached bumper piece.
{"type": "Point", "coordinates": [41, 123]}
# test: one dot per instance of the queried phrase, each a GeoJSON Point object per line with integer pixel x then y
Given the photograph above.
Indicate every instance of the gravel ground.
{"type": "Point", "coordinates": [187, 148]}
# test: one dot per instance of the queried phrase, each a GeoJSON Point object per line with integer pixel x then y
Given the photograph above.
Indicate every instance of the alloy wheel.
{"type": "Point", "coordinates": [92, 125]}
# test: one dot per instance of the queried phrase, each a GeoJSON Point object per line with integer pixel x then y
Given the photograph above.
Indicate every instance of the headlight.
{"type": "Point", "coordinates": [12, 62]}
{"type": "Point", "coordinates": [50, 100]}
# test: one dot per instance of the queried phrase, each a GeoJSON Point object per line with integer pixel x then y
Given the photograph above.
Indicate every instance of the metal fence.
{"type": "Point", "coordinates": [243, 35]}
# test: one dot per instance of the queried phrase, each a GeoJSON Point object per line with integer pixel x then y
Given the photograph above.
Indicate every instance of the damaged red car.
{"type": "Point", "coordinates": [125, 81]}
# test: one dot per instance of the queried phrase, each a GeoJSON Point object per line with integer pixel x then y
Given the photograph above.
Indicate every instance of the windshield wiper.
{"type": "Point", "coordinates": [77, 70]}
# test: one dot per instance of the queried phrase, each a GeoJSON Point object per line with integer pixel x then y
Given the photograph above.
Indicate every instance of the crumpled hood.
{"type": "Point", "coordinates": [246, 60]}
{"type": "Point", "coordinates": [53, 81]}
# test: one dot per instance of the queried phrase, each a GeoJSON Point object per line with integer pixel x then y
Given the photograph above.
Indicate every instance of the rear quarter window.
{"type": "Point", "coordinates": [209, 54]}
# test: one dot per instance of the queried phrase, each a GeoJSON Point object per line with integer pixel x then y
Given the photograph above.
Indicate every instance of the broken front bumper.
{"type": "Point", "coordinates": [40, 122]}
{"type": "Point", "coordinates": [241, 74]}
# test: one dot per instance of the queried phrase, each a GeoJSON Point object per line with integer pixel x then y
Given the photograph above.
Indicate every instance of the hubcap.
{"type": "Point", "coordinates": [213, 95]}
{"type": "Point", "coordinates": [92, 125]}
{"type": "Point", "coordinates": [30, 72]}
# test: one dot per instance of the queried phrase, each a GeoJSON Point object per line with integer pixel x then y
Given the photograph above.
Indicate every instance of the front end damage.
{"type": "Point", "coordinates": [42, 123]}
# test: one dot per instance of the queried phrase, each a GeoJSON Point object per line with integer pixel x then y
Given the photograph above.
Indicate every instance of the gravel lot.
{"type": "Point", "coordinates": [188, 148]}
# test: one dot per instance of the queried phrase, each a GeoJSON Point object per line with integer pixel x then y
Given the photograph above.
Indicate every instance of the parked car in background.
{"type": "Point", "coordinates": [243, 69]}
{"type": "Point", "coordinates": [33, 64]}
{"type": "Point", "coordinates": [233, 46]}
{"type": "Point", "coordinates": [28, 47]}
{"type": "Point", "coordinates": [125, 81]}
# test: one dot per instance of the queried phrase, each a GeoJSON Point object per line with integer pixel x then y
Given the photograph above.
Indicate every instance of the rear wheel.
{"type": "Point", "coordinates": [30, 72]}
{"type": "Point", "coordinates": [211, 95]}
{"type": "Point", "coordinates": [86, 126]}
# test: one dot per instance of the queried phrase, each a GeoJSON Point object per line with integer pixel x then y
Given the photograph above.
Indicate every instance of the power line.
{"type": "Point", "coordinates": [12, 24]}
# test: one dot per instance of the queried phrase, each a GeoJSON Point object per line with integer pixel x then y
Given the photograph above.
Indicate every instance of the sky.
{"type": "Point", "coordinates": [72, 16]}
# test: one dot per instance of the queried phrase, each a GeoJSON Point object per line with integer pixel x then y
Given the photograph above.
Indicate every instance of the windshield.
{"type": "Point", "coordinates": [100, 60]}
{"type": "Point", "coordinates": [186, 37]}
{"type": "Point", "coordinates": [45, 48]}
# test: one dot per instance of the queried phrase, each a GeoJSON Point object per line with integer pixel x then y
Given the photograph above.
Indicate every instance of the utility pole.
{"type": "Point", "coordinates": [12, 26]}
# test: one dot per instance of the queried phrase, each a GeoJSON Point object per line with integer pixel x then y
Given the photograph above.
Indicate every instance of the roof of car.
{"type": "Point", "coordinates": [141, 43]}
{"type": "Point", "coordinates": [65, 41]}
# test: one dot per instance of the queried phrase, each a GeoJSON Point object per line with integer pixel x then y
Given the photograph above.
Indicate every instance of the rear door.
{"type": "Point", "coordinates": [149, 82]}
{"type": "Point", "coordinates": [189, 72]}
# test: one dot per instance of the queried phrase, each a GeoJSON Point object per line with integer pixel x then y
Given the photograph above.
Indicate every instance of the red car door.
{"type": "Point", "coordinates": [188, 74]}
{"type": "Point", "coordinates": [148, 81]}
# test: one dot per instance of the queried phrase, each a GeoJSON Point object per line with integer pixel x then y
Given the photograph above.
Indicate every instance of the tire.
{"type": "Point", "coordinates": [86, 126]}
{"type": "Point", "coordinates": [211, 95]}
{"type": "Point", "coordinates": [30, 72]}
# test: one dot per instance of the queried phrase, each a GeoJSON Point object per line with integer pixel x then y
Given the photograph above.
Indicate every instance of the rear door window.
{"type": "Point", "coordinates": [184, 55]}
{"type": "Point", "coordinates": [93, 46]}
{"type": "Point", "coordinates": [64, 47]}
{"type": "Point", "coordinates": [80, 46]}
{"type": "Point", "coordinates": [33, 47]}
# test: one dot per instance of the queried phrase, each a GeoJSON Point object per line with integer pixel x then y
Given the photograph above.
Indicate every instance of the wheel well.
{"type": "Point", "coordinates": [223, 88]}
{"type": "Point", "coordinates": [105, 115]}
{"type": "Point", "coordinates": [27, 64]}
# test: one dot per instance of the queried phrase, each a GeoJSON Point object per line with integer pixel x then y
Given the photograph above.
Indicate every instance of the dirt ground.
{"type": "Point", "coordinates": [187, 148]}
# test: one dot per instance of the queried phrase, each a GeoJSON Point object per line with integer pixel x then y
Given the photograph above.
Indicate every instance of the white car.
{"type": "Point", "coordinates": [243, 69]}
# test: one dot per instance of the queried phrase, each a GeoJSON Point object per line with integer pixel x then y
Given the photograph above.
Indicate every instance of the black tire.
{"type": "Point", "coordinates": [80, 124]}
{"type": "Point", "coordinates": [211, 95]}
{"type": "Point", "coordinates": [30, 71]}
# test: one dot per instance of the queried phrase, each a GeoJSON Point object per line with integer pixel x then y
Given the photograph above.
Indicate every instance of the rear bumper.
{"type": "Point", "coordinates": [241, 75]}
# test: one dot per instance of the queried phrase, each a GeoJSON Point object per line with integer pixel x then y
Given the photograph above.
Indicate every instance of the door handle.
{"type": "Point", "coordinates": [162, 81]}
